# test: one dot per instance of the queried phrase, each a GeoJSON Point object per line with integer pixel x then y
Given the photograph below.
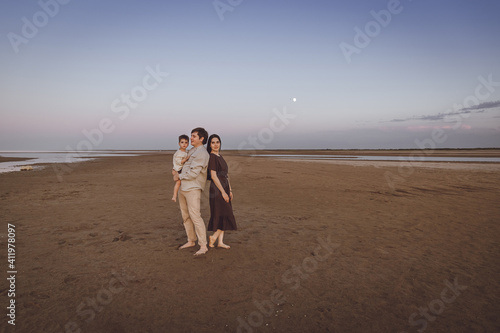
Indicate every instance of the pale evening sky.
{"type": "Point", "coordinates": [136, 74]}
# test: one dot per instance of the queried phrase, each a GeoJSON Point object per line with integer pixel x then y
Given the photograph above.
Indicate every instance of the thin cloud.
{"type": "Point", "coordinates": [480, 108]}
{"type": "Point", "coordinates": [434, 117]}
{"type": "Point", "coordinates": [485, 105]}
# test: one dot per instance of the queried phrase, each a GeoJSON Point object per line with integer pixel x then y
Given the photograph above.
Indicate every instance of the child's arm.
{"type": "Point", "coordinates": [188, 155]}
{"type": "Point", "coordinates": [178, 159]}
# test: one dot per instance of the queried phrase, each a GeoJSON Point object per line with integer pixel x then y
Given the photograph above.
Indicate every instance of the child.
{"type": "Point", "coordinates": [180, 157]}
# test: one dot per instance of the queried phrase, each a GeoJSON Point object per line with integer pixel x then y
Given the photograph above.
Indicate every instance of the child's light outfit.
{"type": "Point", "coordinates": [178, 157]}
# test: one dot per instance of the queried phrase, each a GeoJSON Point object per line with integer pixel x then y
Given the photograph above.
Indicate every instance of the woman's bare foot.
{"type": "Point", "coordinates": [201, 251]}
{"type": "Point", "coordinates": [224, 246]}
{"type": "Point", "coordinates": [188, 244]}
{"type": "Point", "coordinates": [211, 241]}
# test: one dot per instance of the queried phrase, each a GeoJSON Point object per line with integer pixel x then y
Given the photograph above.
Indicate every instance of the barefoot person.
{"type": "Point", "coordinates": [180, 157]}
{"type": "Point", "coordinates": [221, 195]}
{"type": "Point", "coordinates": [193, 179]}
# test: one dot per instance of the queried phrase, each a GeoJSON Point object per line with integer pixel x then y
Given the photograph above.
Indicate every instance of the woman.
{"type": "Point", "coordinates": [221, 210]}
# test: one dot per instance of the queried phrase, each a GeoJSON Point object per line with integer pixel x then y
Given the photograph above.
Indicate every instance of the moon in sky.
{"type": "Point", "coordinates": [294, 99]}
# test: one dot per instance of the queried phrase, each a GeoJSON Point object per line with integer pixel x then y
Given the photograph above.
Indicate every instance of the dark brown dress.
{"type": "Point", "coordinates": [221, 212]}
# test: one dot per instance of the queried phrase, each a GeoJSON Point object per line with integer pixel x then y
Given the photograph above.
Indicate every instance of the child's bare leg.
{"type": "Point", "coordinates": [176, 190]}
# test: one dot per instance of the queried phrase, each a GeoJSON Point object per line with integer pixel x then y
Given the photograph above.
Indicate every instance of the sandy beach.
{"type": "Point", "coordinates": [335, 246]}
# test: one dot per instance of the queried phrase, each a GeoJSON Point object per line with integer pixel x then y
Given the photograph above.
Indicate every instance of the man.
{"type": "Point", "coordinates": [193, 179]}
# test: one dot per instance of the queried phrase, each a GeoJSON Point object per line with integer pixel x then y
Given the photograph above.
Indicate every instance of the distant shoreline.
{"type": "Point", "coordinates": [445, 152]}
{"type": "Point", "coordinates": [438, 152]}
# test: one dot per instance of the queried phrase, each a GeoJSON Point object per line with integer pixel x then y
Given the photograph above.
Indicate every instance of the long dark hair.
{"type": "Point", "coordinates": [209, 148]}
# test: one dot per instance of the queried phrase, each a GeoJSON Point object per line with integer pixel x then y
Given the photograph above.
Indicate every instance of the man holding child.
{"type": "Point", "coordinates": [193, 179]}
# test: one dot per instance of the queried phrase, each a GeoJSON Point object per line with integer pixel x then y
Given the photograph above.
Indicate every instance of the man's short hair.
{"type": "Point", "coordinates": [202, 133]}
{"type": "Point", "coordinates": [183, 136]}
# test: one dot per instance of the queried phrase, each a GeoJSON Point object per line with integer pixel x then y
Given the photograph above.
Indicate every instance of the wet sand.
{"type": "Point", "coordinates": [12, 159]}
{"type": "Point", "coordinates": [321, 246]}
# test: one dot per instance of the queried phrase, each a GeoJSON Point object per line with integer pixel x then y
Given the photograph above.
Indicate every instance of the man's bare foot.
{"type": "Point", "coordinates": [188, 244]}
{"type": "Point", "coordinates": [211, 241]}
{"type": "Point", "coordinates": [174, 199]}
{"type": "Point", "coordinates": [201, 251]}
{"type": "Point", "coordinates": [224, 246]}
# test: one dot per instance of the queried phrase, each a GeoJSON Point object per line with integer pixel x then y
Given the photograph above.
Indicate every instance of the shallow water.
{"type": "Point", "coordinates": [382, 158]}
{"type": "Point", "coordinates": [38, 157]}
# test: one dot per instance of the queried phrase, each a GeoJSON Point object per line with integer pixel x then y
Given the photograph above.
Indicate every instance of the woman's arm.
{"type": "Point", "coordinates": [217, 183]}
{"type": "Point", "coordinates": [230, 189]}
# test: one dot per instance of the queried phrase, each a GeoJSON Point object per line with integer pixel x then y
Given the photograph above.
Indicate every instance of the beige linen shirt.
{"type": "Point", "coordinates": [194, 171]}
